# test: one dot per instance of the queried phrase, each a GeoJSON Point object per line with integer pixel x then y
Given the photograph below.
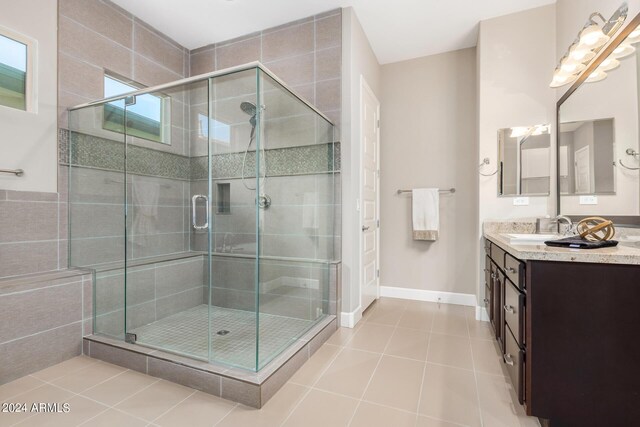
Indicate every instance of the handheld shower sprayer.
{"type": "Point", "coordinates": [250, 109]}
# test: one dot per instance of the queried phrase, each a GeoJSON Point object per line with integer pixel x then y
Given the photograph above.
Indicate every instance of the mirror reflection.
{"type": "Point", "coordinates": [586, 157]}
{"type": "Point", "coordinates": [525, 161]}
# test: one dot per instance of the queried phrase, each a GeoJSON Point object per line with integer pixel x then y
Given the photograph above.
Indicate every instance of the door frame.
{"type": "Point", "coordinates": [575, 165]}
{"type": "Point", "coordinates": [365, 86]}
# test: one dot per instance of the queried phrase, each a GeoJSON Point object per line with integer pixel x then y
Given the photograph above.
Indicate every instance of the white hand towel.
{"type": "Point", "coordinates": [426, 213]}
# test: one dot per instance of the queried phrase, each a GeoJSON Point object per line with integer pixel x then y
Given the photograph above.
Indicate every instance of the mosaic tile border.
{"type": "Point", "coordinates": [91, 151]}
{"type": "Point", "coordinates": [303, 160]}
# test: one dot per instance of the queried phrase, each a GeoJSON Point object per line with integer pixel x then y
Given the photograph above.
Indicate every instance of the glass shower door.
{"type": "Point", "coordinates": [235, 146]}
{"type": "Point", "coordinates": [168, 220]}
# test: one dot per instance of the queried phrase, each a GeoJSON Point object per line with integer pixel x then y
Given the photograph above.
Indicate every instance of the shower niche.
{"type": "Point", "coordinates": [215, 248]}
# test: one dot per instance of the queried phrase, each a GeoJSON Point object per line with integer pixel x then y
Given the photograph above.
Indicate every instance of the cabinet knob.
{"type": "Point", "coordinates": [511, 270]}
{"type": "Point", "coordinates": [493, 275]}
{"type": "Point", "coordinates": [486, 301]}
{"type": "Point", "coordinates": [508, 359]}
{"type": "Point", "coordinates": [509, 309]}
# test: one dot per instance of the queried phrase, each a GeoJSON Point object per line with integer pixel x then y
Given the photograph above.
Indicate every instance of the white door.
{"type": "Point", "coordinates": [369, 195]}
{"type": "Point", "coordinates": [583, 171]}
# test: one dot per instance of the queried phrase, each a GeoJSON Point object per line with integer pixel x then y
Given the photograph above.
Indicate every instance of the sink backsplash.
{"type": "Point", "coordinates": [517, 225]}
{"type": "Point", "coordinates": [623, 233]}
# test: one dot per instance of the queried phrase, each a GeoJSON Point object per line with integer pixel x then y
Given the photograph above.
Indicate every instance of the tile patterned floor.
{"type": "Point", "coordinates": [186, 332]}
{"type": "Point", "coordinates": [406, 364]}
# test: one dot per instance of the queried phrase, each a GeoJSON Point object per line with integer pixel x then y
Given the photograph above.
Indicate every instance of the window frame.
{"type": "Point", "coordinates": [165, 111]}
{"type": "Point", "coordinates": [30, 89]}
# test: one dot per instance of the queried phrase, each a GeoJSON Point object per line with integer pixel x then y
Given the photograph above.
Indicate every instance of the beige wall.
{"type": "Point", "coordinates": [515, 58]}
{"type": "Point", "coordinates": [515, 64]}
{"type": "Point", "coordinates": [29, 138]}
{"type": "Point", "coordinates": [358, 60]}
{"type": "Point", "coordinates": [429, 140]}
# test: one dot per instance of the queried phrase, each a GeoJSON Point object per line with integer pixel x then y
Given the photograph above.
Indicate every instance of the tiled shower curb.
{"type": "Point", "coordinates": [249, 388]}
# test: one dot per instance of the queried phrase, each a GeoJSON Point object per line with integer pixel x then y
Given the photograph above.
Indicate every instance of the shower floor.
{"type": "Point", "coordinates": [186, 333]}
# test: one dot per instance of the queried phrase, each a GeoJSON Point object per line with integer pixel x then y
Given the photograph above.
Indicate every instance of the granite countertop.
{"type": "Point", "coordinates": [493, 231]}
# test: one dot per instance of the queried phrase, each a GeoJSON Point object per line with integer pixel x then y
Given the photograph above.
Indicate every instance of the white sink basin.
{"type": "Point", "coordinates": [529, 239]}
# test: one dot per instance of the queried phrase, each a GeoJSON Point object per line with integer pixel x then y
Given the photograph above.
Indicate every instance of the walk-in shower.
{"type": "Point", "coordinates": [206, 209]}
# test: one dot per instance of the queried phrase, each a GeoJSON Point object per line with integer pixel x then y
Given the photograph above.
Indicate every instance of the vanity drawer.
{"type": "Point", "coordinates": [514, 269]}
{"type": "Point", "coordinates": [514, 359]}
{"type": "Point", "coordinates": [513, 309]}
{"type": "Point", "coordinates": [487, 246]}
{"type": "Point", "coordinates": [497, 255]}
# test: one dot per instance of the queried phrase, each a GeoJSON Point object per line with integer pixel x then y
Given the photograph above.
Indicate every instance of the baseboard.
{"type": "Point", "coordinates": [349, 319]}
{"type": "Point", "coordinates": [424, 295]}
{"type": "Point", "coordinates": [481, 314]}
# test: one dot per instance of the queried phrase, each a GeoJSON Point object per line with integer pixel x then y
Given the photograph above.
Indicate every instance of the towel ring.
{"type": "Point", "coordinates": [627, 167]}
{"type": "Point", "coordinates": [486, 161]}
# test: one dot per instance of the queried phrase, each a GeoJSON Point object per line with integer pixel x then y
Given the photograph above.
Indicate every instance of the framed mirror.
{"type": "Point", "coordinates": [598, 134]}
{"type": "Point", "coordinates": [524, 155]}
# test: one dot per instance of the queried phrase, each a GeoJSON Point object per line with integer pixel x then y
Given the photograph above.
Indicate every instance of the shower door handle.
{"type": "Point", "coordinates": [194, 221]}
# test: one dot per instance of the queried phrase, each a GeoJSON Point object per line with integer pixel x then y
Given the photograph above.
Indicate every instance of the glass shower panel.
{"type": "Point", "coordinates": [296, 228]}
{"type": "Point", "coordinates": [207, 211]}
{"type": "Point", "coordinates": [234, 135]}
{"type": "Point", "coordinates": [167, 282]}
{"type": "Point", "coordinates": [96, 159]}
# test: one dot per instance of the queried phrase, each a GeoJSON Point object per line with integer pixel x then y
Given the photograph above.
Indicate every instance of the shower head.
{"type": "Point", "coordinates": [249, 108]}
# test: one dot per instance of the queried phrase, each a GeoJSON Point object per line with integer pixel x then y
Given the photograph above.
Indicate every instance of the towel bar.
{"type": "Point", "coordinates": [450, 190]}
{"type": "Point", "coordinates": [16, 172]}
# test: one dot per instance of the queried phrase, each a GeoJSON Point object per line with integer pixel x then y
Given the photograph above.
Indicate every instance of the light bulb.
{"type": "Point", "coordinates": [560, 79]}
{"type": "Point", "coordinates": [634, 36]}
{"type": "Point", "coordinates": [596, 76]}
{"type": "Point", "coordinates": [572, 67]}
{"type": "Point", "coordinates": [623, 51]}
{"type": "Point", "coordinates": [581, 54]}
{"type": "Point", "coordinates": [592, 37]}
{"type": "Point", "coordinates": [609, 64]}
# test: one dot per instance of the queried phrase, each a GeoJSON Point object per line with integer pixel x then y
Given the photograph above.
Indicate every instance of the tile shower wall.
{"type": "Point", "coordinates": [97, 37]}
{"type": "Point", "coordinates": [305, 54]}
{"type": "Point", "coordinates": [42, 321]}
{"type": "Point", "coordinates": [31, 225]}
{"type": "Point", "coordinates": [153, 291]}
{"type": "Point", "coordinates": [94, 36]}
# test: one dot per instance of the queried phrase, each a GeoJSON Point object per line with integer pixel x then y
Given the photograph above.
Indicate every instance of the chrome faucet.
{"type": "Point", "coordinates": [566, 219]}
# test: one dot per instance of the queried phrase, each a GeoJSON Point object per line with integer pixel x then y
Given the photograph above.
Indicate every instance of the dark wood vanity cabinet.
{"type": "Point", "coordinates": [569, 334]}
{"type": "Point", "coordinates": [506, 285]}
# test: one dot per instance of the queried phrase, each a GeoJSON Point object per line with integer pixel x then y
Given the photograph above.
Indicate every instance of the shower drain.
{"type": "Point", "coordinates": [222, 332]}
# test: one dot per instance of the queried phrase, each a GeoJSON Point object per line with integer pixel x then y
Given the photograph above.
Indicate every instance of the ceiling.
{"type": "Point", "coordinates": [397, 29]}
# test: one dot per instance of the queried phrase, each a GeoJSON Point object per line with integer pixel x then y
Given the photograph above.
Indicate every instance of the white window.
{"type": "Point", "coordinates": [16, 70]}
{"type": "Point", "coordinates": [148, 118]}
{"type": "Point", "coordinates": [221, 132]}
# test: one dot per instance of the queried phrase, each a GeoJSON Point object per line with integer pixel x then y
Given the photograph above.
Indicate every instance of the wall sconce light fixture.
{"type": "Point", "coordinates": [593, 36]}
